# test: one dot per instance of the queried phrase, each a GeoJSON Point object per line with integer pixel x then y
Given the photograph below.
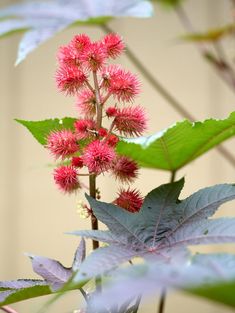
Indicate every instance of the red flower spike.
{"type": "Point", "coordinates": [70, 79]}
{"type": "Point", "coordinates": [94, 56]}
{"type": "Point", "coordinates": [112, 140]}
{"type": "Point", "coordinates": [83, 128]}
{"type": "Point", "coordinates": [130, 121]}
{"type": "Point", "coordinates": [77, 162]}
{"type": "Point", "coordinates": [114, 45]}
{"type": "Point", "coordinates": [86, 103]}
{"type": "Point", "coordinates": [80, 42]}
{"type": "Point", "coordinates": [125, 169]}
{"type": "Point", "coordinates": [67, 56]}
{"type": "Point", "coordinates": [62, 143]}
{"type": "Point", "coordinates": [111, 111]}
{"type": "Point", "coordinates": [130, 200]}
{"type": "Point", "coordinates": [98, 156]}
{"type": "Point", "coordinates": [66, 178]}
{"type": "Point", "coordinates": [102, 132]}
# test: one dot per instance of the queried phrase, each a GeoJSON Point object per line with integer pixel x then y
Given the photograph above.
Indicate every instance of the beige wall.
{"type": "Point", "coordinates": [33, 214]}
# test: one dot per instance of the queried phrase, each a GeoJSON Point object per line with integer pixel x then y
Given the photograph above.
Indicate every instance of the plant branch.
{"type": "Point", "coordinates": [94, 221]}
{"type": "Point", "coordinates": [167, 95]}
{"type": "Point", "coordinates": [222, 67]}
{"type": "Point", "coordinates": [98, 102]}
{"type": "Point", "coordinates": [8, 309]}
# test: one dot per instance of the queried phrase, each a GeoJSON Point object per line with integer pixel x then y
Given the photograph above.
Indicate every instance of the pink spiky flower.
{"type": "Point", "coordinates": [98, 156]}
{"type": "Point", "coordinates": [84, 128]}
{"type": "Point", "coordinates": [130, 200]}
{"type": "Point", "coordinates": [80, 42]}
{"type": "Point", "coordinates": [114, 45]}
{"type": "Point", "coordinates": [62, 143]}
{"type": "Point", "coordinates": [123, 85]}
{"type": "Point", "coordinates": [68, 56]}
{"type": "Point", "coordinates": [130, 121]}
{"type": "Point", "coordinates": [94, 56]}
{"type": "Point", "coordinates": [70, 79]}
{"type": "Point", "coordinates": [125, 169]}
{"type": "Point", "coordinates": [86, 103]}
{"type": "Point", "coordinates": [66, 178]}
{"type": "Point", "coordinates": [107, 73]}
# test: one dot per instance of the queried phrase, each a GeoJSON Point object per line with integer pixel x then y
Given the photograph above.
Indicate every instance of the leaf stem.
{"type": "Point", "coordinates": [163, 293]}
{"type": "Point", "coordinates": [162, 301]}
{"type": "Point", "coordinates": [8, 309]}
{"type": "Point", "coordinates": [172, 178]}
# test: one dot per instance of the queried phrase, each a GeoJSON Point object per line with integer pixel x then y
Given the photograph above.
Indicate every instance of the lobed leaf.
{"type": "Point", "coordinates": [46, 18]}
{"type": "Point", "coordinates": [162, 229]}
{"type": "Point", "coordinates": [178, 145]}
{"type": "Point", "coordinates": [41, 129]}
{"type": "Point", "coordinates": [204, 273]}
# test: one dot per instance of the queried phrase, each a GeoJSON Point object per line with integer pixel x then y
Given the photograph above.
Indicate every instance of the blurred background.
{"type": "Point", "coordinates": [34, 215]}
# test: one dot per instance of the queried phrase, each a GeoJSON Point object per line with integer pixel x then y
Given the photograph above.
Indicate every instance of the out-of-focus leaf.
{"type": "Point", "coordinates": [162, 225]}
{"type": "Point", "coordinates": [178, 145]}
{"type": "Point", "coordinates": [168, 3]}
{"type": "Point", "coordinates": [211, 35]}
{"type": "Point", "coordinates": [46, 18]}
{"type": "Point", "coordinates": [202, 275]}
{"type": "Point", "coordinates": [41, 129]}
{"type": "Point", "coordinates": [10, 27]}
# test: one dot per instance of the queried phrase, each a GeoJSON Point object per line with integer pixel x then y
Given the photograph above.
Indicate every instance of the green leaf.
{"type": "Point", "coordinates": [26, 293]}
{"type": "Point", "coordinates": [222, 292]}
{"type": "Point", "coordinates": [168, 3]}
{"type": "Point", "coordinates": [41, 129]}
{"type": "Point", "coordinates": [211, 35]}
{"type": "Point", "coordinates": [178, 145]}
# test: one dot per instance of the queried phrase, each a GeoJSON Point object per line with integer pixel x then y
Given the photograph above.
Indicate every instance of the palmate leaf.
{"type": "Point", "coordinates": [41, 129]}
{"type": "Point", "coordinates": [203, 273]}
{"type": "Point", "coordinates": [178, 145]}
{"type": "Point", "coordinates": [55, 277]}
{"type": "Point", "coordinates": [162, 225]}
{"type": "Point", "coordinates": [46, 18]}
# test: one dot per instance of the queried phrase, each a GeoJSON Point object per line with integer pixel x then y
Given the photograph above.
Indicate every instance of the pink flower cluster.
{"type": "Point", "coordinates": [102, 90]}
